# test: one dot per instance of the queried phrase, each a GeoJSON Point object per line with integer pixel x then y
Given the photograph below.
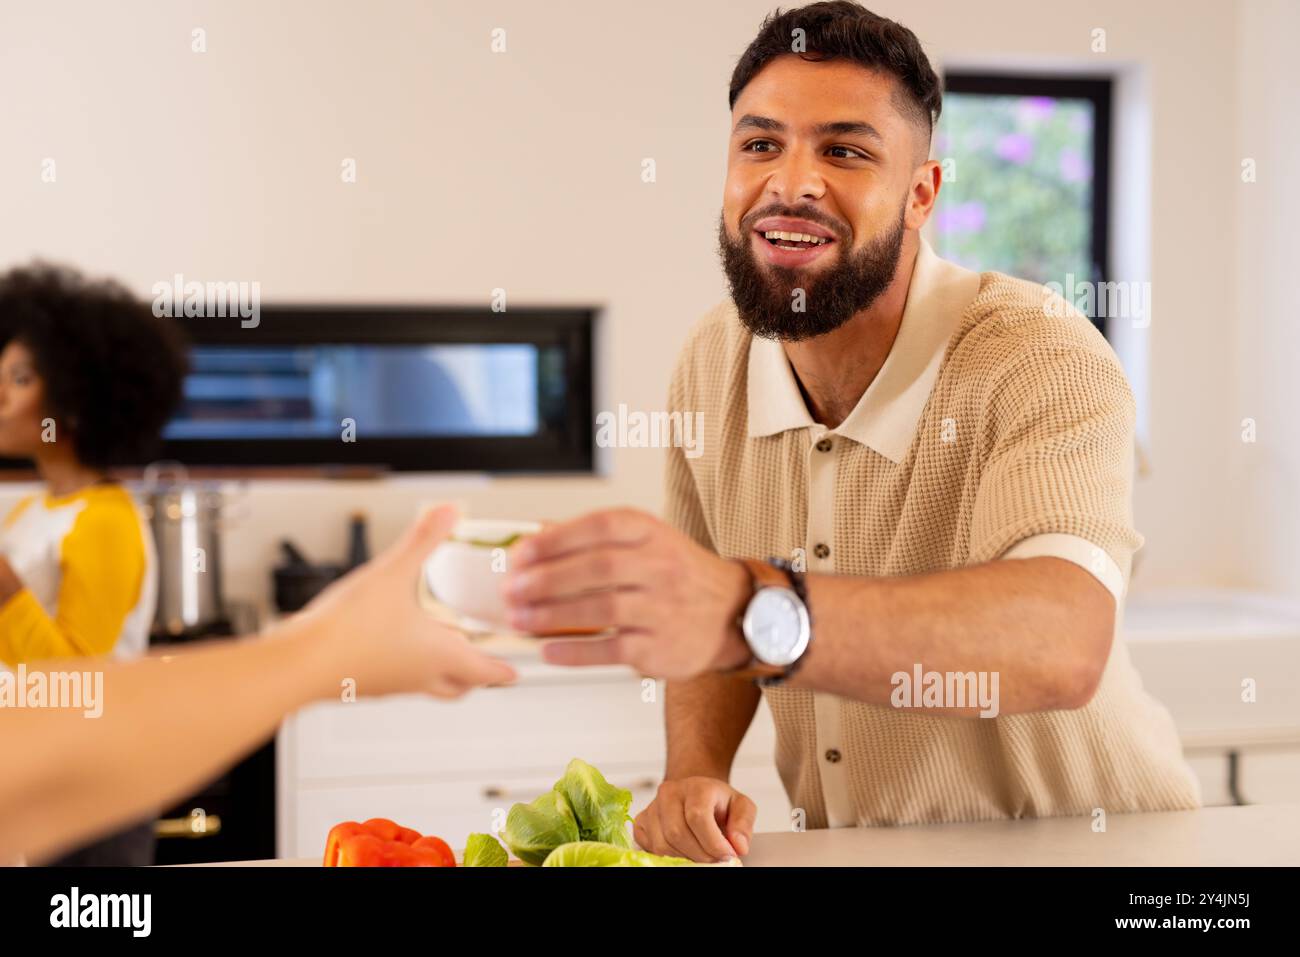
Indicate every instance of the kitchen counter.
{"type": "Point", "coordinates": [1250, 836]}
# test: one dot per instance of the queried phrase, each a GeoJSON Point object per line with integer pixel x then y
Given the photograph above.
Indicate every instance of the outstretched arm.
{"type": "Point", "coordinates": [170, 722]}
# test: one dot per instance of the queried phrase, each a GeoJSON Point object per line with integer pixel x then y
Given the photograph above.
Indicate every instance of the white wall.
{"type": "Point", "coordinates": [1266, 474]}
{"type": "Point", "coordinates": [521, 170]}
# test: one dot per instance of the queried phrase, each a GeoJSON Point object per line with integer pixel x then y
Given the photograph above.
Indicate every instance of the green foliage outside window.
{"type": "Point", "coordinates": [1020, 202]}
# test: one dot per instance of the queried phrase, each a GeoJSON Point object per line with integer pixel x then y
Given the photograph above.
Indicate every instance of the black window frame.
{"type": "Point", "coordinates": [1099, 91]}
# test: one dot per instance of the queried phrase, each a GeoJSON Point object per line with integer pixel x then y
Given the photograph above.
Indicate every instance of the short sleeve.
{"type": "Point", "coordinates": [1091, 558]}
{"type": "Point", "coordinates": [102, 572]}
{"type": "Point", "coordinates": [1059, 427]}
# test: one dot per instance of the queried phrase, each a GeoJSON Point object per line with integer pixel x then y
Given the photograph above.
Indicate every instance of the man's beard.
{"type": "Point", "coordinates": [764, 295]}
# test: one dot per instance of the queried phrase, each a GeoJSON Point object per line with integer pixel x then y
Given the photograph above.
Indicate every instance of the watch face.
{"type": "Point", "coordinates": [776, 626]}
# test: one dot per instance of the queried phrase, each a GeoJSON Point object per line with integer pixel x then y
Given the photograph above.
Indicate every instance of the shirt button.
{"type": "Point", "coordinates": [825, 445]}
{"type": "Point", "coordinates": [821, 550]}
{"type": "Point", "coordinates": [833, 756]}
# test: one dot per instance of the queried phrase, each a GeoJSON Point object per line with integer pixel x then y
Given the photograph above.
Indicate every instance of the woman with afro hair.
{"type": "Point", "coordinates": [88, 378]}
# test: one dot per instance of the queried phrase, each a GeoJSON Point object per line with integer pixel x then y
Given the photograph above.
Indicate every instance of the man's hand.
{"type": "Point", "coordinates": [671, 604]}
{"type": "Point", "coordinates": [703, 819]}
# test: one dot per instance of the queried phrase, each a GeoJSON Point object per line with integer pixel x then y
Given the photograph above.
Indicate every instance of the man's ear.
{"type": "Point", "coordinates": [922, 193]}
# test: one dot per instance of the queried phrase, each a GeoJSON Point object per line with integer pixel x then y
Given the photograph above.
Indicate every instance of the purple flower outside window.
{"type": "Point", "coordinates": [1074, 169]}
{"type": "Point", "coordinates": [966, 217]}
{"type": "Point", "coordinates": [1032, 110]}
{"type": "Point", "coordinates": [1015, 148]}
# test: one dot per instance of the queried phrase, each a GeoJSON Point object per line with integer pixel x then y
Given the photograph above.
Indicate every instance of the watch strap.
{"type": "Point", "coordinates": [764, 574]}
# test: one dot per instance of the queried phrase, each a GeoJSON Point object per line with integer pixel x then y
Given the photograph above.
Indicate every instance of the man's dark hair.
{"type": "Point", "coordinates": [113, 372]}
{"type": "Point", "coordinates": [847, 30]}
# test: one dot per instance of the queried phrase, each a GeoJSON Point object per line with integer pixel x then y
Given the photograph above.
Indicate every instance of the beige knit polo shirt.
{"type": "Point", "coordinates": [1000, 426]}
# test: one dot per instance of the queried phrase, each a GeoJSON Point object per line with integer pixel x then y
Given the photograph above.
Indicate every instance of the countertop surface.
{"type": "Point", "coordinates": [1250, 836]}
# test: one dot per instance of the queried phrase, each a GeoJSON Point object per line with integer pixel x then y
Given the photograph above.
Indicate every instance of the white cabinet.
{"type": "Point", "coordinates": [1227, 665]}
{"type": "Point", "coordinates": [528, 727]}
{"type": "Point", "coordinates": [1212, 772]}
{"type": "Point", "coordinates": [1265, 774]}
{"type": "Point", "coordinates": [455, 768]}
{"type": "Point", "coordinates": [1269, 776]}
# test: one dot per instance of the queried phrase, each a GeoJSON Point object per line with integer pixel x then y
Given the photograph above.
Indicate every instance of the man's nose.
{"type": "Point", "coordinates": [796, 178]}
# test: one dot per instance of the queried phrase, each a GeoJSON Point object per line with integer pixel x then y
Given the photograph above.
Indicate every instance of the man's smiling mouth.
{"type": "Point", "coordinates": [785, 240]}
{"type": "Point", "coordinates": [791, 241]}
{"type": "Point", "coordinates": [790, 249]}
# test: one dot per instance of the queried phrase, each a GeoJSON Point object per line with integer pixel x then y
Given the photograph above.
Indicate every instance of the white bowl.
{"type": "Point", "coordinates": [465, 572]}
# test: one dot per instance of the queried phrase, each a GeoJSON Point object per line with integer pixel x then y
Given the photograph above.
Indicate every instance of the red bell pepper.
{"type": "Point", "coordinates": [381, 843]}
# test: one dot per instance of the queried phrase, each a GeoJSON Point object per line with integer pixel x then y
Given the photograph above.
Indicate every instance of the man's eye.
{"type": "Point", "coordinates": [850, 151]}
{"type": "Point", "coordinates": [753, 146]}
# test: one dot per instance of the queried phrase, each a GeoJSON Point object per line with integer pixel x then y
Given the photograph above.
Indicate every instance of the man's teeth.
{"type": "Point", "coordinates": [795, 237]}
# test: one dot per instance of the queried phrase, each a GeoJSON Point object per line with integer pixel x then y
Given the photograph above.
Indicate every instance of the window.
{"type": "Point", "coordinates": [1029, 190]}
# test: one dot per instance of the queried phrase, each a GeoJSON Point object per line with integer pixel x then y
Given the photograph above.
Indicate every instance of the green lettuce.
{"type": "Point", "coordinates": [482, 850]}
{"type": "Point", "coordinates": [600, 808]}
{"type": "Point", "coordinates": [533, 830]}
{"type": "Point", "coordinates": [483, 543]}
{"type": "Point", "coordinates": [598, 854]}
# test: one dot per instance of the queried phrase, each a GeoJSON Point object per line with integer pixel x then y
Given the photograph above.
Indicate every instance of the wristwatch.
{"type": "Point", "coordinates": [775, 624]}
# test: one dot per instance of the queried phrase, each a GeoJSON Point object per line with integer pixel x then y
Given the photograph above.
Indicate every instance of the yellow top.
{"type": "Point", "coordinates": [86, 565]}
{"type": "Point", "coordinates": [1000, 427]}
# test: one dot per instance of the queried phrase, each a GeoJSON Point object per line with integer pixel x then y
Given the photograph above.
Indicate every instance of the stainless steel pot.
{"type": "Point", "coordinates": [186, 520]}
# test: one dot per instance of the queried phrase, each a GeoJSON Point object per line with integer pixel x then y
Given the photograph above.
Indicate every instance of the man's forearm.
{"type": "Point", "coordinates": [1043, 625]}
{"type": "Point", "coordinates": [706, 720]}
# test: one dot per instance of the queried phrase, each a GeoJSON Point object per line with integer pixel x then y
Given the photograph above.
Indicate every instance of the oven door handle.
{"type": "Point", "coordinates": [193, 826]}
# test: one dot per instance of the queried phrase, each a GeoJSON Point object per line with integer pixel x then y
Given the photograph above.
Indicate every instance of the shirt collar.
{"type": "Point", "coordinates": [886, 416]}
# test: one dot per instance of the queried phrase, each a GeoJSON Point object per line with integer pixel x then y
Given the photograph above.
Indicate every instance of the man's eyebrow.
{"type": "Point", "coordinates": [838, 128]}
{"type": "Point", "coordinates": [751, 122]}
{"type": "Point", "coordinates": [849, 128]}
